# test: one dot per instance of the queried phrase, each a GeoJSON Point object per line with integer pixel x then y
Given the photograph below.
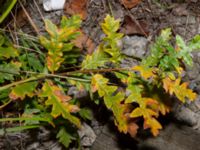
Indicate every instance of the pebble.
{"type": "Point", "coordinates": [86, 135]}
{"type": "Point", "coordinates": [134, 46]}
{"type": "Point", "coordinates": [185, 115]}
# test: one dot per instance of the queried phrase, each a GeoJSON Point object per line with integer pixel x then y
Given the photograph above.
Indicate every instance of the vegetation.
{"type": "Point", "coordinates": [40, 80]}
{"type": "Point", "coordinates": [5, 8]}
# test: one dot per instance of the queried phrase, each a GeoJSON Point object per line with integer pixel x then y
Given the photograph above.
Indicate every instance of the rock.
{"type": "Point", "coordinates": [96, 126]}
{"type": "Point", "coordinates": [33, 146]}
{"type": "Point", "coordinates": [173, 137]}
{"type": "Point", "coordinates": [52, 145]}
{"type": "Point", "coordinates": [185, 115]}
{"type": "Point", "coordinates": [197, 104]}
{"type": "Point", "coordinates": [86, 135]}
{"type": "Point", "coordinates": [128, 62]}
{"type": "Point", "coordinates": [44, 134]}
{"type": "Point", "coordinates": [192, 20]}
{"type": "Point", "coordinates": [76, 93]}
{"type": "Point", "coordinates": [134, 46]}
{"type": "Point", "coordinates": [193, 72]}
{"type": "Point", "coordinates": [50, 5]}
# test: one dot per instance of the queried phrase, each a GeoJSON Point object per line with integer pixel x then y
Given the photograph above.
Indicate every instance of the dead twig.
{"type": "Point", "coordinates": [29, 18]}
{"type": "Point", "coordinates": [39, 10]}
{"type": "Point", "coordinates": [137, 24]}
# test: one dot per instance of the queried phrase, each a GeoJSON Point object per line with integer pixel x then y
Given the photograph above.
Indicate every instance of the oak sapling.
{"type": "Point", "coordinates": [139, 95]}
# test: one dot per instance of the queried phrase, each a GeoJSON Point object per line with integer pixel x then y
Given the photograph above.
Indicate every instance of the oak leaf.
{"type": "Point", "coordinates": [145, 72]}
{"type": "Point", "coordinates": [179, 89]}
{"type": "Point", "coordinates": [153, 124]}
{"type": "Point", "coordinates": [59, 102]}
{"type": "Point", "coordinates": [22, 90]}
{"type": "Point", "coordinates": [64, 137]}
{"type": "Point", "coordinates": [113, 102]}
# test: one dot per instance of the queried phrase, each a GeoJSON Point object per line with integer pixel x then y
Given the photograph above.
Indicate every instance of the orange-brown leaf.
{"type": "Point", "coordinates": [59, 101]}
{"type": "Point", "coordinates": [167, 85]}
{"type": "Point", "coordinates": [180, 90]}
{"type": "Point", "coordinates": [132, 129]}
{"type": "Point", "coordinates": [83, 41]}
{"type": "Point", "coordinates": [130, 3]}
{"type": "Point", "coordinates": [74, 7]}
{"type": "Point", "coordinates": [130, 27]}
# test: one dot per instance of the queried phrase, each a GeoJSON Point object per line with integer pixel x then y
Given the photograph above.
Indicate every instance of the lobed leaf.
{"type": "Point", "coordinates": [97, 59]}
{"type": "Point", "coordinates": [180, 90]}
{"type": "Point", "coordinates": [60, 42]}
{"type": "Point", "coordinates": [112, 101]}
{"type": "Point", "coordinates": [22, 90]}
{"type": "Point", "coordinates": [8, 71]}
{"type": "Point", "coordinates": [64, 137]}
{"type": "Point", "coordinates": [59, 102]}
{"type": "Point", "coordinates": [110, 25]}
{"type": "Point", "coordinates": [145, 72]}
{"type": "Point", "coordinates": [6, 49]}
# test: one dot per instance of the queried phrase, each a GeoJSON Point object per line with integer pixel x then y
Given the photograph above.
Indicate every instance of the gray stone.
{"type": "Point", "coordinates": [185, 115]}
{"type": "Point", "coordinates": [134, 46]}
{"type": "Point", "coordinates": [33, 146]}
{"type": "Point", "coordinates": [128, 62]}
{"type": "Point", "coordinates": [173, 137]}
{"type": "Point", "coordinates": [76, 93]}
{"type": "Point", "coordinates": [52, 145]}
{"type": "Point", "coordinates": [193, 72]}
{"type": "Point", "coordinates": [87, 135]}
{"type": "Point", "coordinates": [191, 20]}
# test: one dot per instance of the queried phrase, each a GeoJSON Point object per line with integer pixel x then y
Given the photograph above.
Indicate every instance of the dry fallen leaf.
{"type": "Point", "coordinates": [21, 18]}
{"type": "Point", "coordinates": [130, 27]}
{"type": "Point", "coordinates": [83, 41]}
{"type": "Point", "coordinates": [74, 7]}
{"type": "Point", "coordinates": [130, 3]}
{"type": "Point", "coordinates": [132, 129]}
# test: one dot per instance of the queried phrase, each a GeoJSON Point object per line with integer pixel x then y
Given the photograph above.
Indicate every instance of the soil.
{"type": "Point", "coordinates": [149, 17]}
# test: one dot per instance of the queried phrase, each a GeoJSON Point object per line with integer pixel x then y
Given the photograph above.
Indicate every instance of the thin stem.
{"type": "Point", "coordinates": [4, 105]}
{"type": "Point", "coordinates": [26, 48]}
{"type": "Point", "coordinates": [20, 33]}
{"type": "Point", "coordinates": [110, 7]}
{"type": "Point", "coordinates": [21, 82]}
{"type": "Point", "coordinates": [96, 71]}
{"type": "Point", "coordinates": [29, 18]}
{"type": "Point", "coordinates": [44, 75]}
{"type": "Point", "coordinates": [57, 76]}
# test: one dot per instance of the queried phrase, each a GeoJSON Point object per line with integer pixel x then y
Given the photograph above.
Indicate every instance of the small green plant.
{"type": "Point", "coordinates": [141, 93]}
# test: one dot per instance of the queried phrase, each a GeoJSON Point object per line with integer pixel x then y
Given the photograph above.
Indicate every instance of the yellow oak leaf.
{"type": "Point", "coordinates": [145, 72]}
{"type": "Point", "coordinates": [180, 90]}
{"type": "Point", "coordinates": [59, 102]}
{"type": "Point", "coordinates": [153, 124]}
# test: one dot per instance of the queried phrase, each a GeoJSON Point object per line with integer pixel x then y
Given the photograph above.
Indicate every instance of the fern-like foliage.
{"type": "Point", "coordinates": [22, 90]}
{"type": "Point", "coordinates": [60, 41]}
{"type": "Point", "coordinates": [134, 95]}
{"type": "Point", "coordinates": [113, 102]}
{"type": "Point", "coordinates": [155, 74]}
{"type": "Point", "coordinates": [59, 102]}
{"type": "Point", "coordinates": [108, 50]}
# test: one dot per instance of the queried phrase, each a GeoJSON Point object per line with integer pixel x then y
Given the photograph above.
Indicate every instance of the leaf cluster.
{"type": "Point", "coordinates": [39, 79]}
